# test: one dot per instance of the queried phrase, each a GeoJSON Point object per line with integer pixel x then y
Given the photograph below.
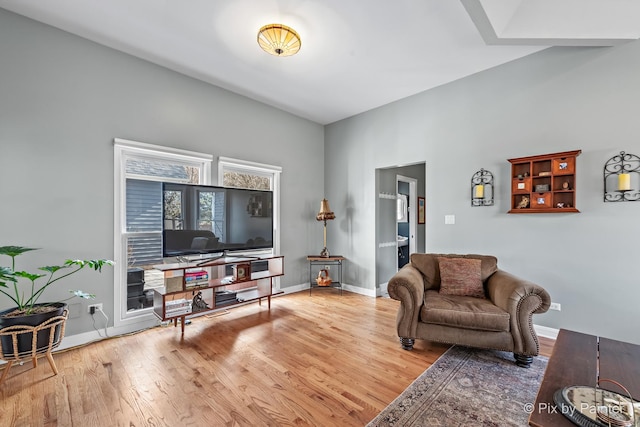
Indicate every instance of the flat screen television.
{"type": "Point", "coordinates": [205, 219]}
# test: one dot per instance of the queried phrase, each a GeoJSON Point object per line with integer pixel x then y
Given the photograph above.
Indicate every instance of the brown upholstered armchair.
{"type": "Point", "coordinates": [498, 316]}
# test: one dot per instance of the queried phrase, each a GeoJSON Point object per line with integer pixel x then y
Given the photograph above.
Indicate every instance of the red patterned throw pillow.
{"type": "Point", "coordinates": [460, 276]}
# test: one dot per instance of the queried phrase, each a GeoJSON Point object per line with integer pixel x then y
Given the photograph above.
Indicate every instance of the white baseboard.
{"type": "Point", "coordinates": [546, 332]}
{"type": "Point", "coordinates": [71, 341]}
{"type": "Point", "coordinates": [296, 288]}
{"type": "Point", "coordinates": [382, 290]}
{"type": "Point", "coordinates": [359, 290]}
{"type": "Point", "coordinates": [345, 287]}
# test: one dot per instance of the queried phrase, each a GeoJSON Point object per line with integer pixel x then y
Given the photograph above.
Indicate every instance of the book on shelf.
{"type": "Point", "coordinates": [178, 311]}
{"type": "Point", "coordinates": [176, 303]}
{"type": "Point", "coordinates": [196, 273]}
{"type": "Point", "coordinates": [188, 280]}
{"type": "Point", "coordinates": [196, 276]}
{"type": "Point", "coordinates": [177, 307]}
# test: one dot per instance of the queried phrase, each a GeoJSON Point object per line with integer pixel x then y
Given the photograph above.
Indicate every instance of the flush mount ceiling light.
{"type": "Point", "coordinates": [279, 40]}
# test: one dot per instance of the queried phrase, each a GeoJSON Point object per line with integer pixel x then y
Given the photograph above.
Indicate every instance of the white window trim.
{"type": "Point", "coordinates": [124, 149]}
{"type": "Point", "coordinates": [227, 163]}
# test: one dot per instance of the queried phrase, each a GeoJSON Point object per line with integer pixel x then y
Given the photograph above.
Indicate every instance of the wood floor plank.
{"type": "Point", "coordinates": [312, 360]}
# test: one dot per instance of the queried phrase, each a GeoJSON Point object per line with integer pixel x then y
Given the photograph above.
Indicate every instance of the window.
{"type": "Point", "coordinates": [139, 170]}
{"type": "Point", "coordinates": [251, 180]}
{"type": "Point", "coordinates": [255, 176]}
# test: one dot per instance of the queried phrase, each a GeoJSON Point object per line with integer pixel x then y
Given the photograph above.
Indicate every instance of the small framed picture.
{"type": "Point", "coordinates": [421, 213]}
{"type": "Point", "coordinates": [242, 272]}
{"type": "Point", "coordinates": [541, 200]}
{"type": "Point", "coordinates": [521, 186]}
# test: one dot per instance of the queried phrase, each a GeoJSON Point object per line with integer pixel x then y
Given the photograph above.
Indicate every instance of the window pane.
{"type": "Point", "coordinates": [173, 215]}
{"type": "Point", "coordinates": [161, 169]}
{"type": "Point", "coordinates": [205, 210]}
{"type": "Point", "coordinates": [142, 253]}
{"type": "Point", "coordinates": [144, 206]}
{"type": "Point", "coordinates": [144, 250]}
{"type": "Point", "coordinates": [246, 180]}
{"type": "Point", "coordinates": [211, 214]}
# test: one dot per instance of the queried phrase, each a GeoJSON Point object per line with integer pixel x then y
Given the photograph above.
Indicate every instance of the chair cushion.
{"type": "Point", "coordinates": [460, 276]}
{"type": "Point", "coordinates": [463, 312]}
{"type": "Point", "coordinates": [427, 264]}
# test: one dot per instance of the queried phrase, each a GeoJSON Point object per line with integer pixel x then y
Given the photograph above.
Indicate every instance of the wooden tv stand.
{"type": "Point", "coordinates": [192, 288]}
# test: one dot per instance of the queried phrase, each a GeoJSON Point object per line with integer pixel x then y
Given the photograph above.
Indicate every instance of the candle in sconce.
{"type": "Point", "coordinates": [478, 191]}
{"type": "Point", "coordinates": [624, 182]}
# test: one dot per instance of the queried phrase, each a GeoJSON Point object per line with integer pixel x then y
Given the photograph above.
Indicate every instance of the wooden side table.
{"type": "Point", "coordinates": [333, 266]}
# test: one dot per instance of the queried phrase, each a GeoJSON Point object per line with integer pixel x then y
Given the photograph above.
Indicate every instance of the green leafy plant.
{"type": "Point", "coordinates": [26, 298]}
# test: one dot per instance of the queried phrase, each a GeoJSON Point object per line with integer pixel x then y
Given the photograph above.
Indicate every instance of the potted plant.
{"type": "Point", "coordinates": [22, 289]}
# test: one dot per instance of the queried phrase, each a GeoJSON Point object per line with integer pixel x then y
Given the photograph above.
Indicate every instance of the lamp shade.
{"type": "Point", "coordinates": [279, 40]}
{"type": "Point", "coordinates": [325, 211]}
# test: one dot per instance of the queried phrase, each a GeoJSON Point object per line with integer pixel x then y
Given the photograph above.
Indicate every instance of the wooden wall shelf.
{"type": "Point", "coordinates": [544, 184]}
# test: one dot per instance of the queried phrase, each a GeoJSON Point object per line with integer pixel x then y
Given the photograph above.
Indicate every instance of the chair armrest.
{"type": "Point", "coordinates": [407, 286]}
{"type": "Point", "coordinates": [521, 299]}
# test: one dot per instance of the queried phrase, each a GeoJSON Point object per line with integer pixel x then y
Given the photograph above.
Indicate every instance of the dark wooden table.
{"type": "Point", "coordinates": [575, 360]}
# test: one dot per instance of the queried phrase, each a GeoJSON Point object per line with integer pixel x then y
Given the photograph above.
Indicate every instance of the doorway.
{"type": "Point", "coordinates": [392, 251]}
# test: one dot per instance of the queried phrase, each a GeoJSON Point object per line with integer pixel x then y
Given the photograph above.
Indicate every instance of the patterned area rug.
{"type": "Point", "coordinates": [467, 387]}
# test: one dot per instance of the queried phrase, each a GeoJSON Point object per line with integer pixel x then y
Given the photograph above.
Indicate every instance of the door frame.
{"type": "Point", "coordinates": [413, 211]}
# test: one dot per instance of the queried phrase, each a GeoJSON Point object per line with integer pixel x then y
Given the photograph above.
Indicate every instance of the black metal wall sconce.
{"type": "Point", "coordinates": [482, 188]}
{"type": "Point", "coordinates": [622, 178]}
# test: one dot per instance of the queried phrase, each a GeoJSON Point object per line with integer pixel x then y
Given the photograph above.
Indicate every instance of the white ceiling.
{"type": "Point", "coordinates": [355, 55]}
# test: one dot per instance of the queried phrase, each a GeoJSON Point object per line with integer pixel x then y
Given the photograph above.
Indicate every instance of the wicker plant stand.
{"type": "Point", "coordinates": [14, 355]}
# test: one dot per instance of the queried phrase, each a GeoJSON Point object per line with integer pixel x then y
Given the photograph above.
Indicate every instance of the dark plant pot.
{"type": "Point", "coordinates": [25, 341]}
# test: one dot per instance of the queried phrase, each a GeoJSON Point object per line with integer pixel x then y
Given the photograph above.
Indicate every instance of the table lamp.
{"type": "Point", "coordinates": [324, 215]}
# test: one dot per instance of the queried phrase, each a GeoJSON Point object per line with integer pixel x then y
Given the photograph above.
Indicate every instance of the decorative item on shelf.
{"type": "Point", "coordinates": [621, 175]}
{"type": "Point", "coordinates": [545, 173]}
{"type": "Point", "coordinates": [199, 303]}
{"type": "Point", "coordinates": [242, 272]}
{"type": "Point", "coordinates": [325, 215]}
{"type": "Point", "coordinates": [541, 188]}
{"type": "Point", "coordinates": [482, 188]}
{"type": "Point", "coordinates": [524, 202]}
{"type": "Point", "coordinates": [566, 185]}
{"type": "Point", "coordinates": [323, 278]}
{"type": "Point", "coordinates": [279, 40]}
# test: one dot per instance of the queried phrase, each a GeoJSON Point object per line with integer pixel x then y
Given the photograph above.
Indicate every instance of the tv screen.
{"type": "Point", "coordinates": [204, 219]}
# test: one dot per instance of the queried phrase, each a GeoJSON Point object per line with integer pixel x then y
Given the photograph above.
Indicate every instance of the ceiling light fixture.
{"type": "Point", "coordinates": [279, 40]}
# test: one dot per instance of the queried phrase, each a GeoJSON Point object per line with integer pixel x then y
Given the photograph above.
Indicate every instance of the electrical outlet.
{"type": "Point", "coordinates": [555, 306]}
{"type": "Point", "coordinates": [95, 306]}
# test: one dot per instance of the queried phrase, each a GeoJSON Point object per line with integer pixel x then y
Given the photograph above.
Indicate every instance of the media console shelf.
{"type": "Point", "coordinates": [192, 288]}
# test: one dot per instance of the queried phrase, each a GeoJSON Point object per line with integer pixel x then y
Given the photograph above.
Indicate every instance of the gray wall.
{"type": "Point", "coordinates": [556, 100]}
{"type": "Point", "coordinates": [64, 99]}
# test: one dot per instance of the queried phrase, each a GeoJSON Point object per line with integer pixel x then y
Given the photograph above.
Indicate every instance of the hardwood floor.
{"type": "Point", "coordinates": [320, 360]}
